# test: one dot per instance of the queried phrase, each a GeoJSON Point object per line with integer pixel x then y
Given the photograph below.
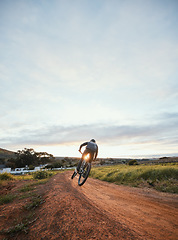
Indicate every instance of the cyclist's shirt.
{"type": "Point", "coordinates": [92, 146]}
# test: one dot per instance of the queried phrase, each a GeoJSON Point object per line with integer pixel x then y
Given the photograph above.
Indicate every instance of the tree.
{"type": "Point", "coordinates": [11, 163]}
{"type": "Point", "coordinates": [30, 157]}
{"type": "Point", "coordinates": [44, 157]}
{"type": "Point", "coordinates": [2, 160]}
{"type": "Point", "coordinates": [26, 157]}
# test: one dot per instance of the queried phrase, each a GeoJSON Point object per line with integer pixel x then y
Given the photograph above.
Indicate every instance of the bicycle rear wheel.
{"type": "Point", "coordinates": [84, 172]}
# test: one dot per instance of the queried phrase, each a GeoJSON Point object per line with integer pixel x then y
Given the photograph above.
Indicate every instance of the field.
{"type": "Point", "coordinates": [162, 177]}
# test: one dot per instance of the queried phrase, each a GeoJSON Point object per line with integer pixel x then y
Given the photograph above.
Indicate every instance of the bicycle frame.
{"type": "Point", "coordinates": [84, 170]}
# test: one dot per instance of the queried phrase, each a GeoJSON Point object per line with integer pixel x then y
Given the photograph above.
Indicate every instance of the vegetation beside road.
{"type": "Point", "coordinates": [162, 177]}
{"type": "Point", "coordinates": [25, 192]}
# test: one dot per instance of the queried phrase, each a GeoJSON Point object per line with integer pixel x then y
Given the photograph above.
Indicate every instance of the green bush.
{"type": "Point", "coordinates": [31, 167]}
{"type": "Point", "coordinates": [133, 162]}
{"type": "Point", "coordinates": [6, 176]}
{"type": "Point", "coordinates": [40, 175]}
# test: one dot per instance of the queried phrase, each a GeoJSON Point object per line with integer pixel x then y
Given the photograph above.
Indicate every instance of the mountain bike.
{"type": "Point", "coordinates": [84, 170]}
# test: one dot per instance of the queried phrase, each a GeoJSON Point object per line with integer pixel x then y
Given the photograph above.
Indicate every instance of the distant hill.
{"type": "Point", "coordinates": [6, 154]}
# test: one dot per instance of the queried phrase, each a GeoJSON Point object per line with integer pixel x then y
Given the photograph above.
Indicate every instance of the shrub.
{"type": "Point", "coordinates": [6, 176]}
{"type": "Point", "coordinates": [49, 166]}
{"type": "Point", "coordinates": [31, 167]}
{"type": "Point", "coordinates": [40, 175]}
{"type": "Point", "coordinates": [133, 162]}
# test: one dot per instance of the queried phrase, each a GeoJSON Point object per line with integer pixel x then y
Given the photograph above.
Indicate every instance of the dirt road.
{"type": "Point", "coordinates": [100, 210]}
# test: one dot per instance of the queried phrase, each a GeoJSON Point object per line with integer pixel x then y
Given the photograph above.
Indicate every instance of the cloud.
{"type": "Point", "coordinates": [167, 116]}
{"type": "Point", "coordinates": [163, 132]}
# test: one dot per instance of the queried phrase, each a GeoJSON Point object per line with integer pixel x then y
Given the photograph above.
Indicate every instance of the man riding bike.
{"type": "Point", "coordinates": [91, 149]}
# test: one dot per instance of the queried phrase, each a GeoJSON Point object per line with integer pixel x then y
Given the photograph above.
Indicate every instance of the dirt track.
{"type": "Point", "coordinates": [99, 210]}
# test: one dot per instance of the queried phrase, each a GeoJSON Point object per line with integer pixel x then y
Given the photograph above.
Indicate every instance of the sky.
{"type": "Point", "coordinates": [75, 70]}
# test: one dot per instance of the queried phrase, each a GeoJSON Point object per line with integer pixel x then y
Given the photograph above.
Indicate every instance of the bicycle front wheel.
{"type": "Point", "coordinates": [84, 173]}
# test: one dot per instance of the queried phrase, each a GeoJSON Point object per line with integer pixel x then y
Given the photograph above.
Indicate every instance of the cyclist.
{"type": "Point", "coordinates": [91, 148]}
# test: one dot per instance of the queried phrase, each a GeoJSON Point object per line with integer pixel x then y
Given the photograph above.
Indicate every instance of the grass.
{"type": "Point", "coordinates": [6, 198]}
{"type": "Point", "coordinates": [26, 195]}
{"type": "Point", "coordinates": [3, 183]}
{"type": "Point", "coordinates": [17, 228]}
{"type": "Point", "coordinates": [23, 226]}
{"type": "Point", "coordinates": [30, 186]}
{"type": "Point", "coordinates": [40, 181]}
{"type": "Point", "coordinates": [6, 176]}
{"type": "Point", "coordinates": [26, 188]}
{"type": "Point", "coordinates": [29, 176]}
{"type": "Point", "coordinates": [161, 177]}
{"type": "Point", "coordinates": [23, 177]}
{"type": "Point", "coordinates": [36, 200]}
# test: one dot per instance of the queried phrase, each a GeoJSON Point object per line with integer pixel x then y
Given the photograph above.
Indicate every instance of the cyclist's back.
{"type": "Point", "coordinates": [91, 147]}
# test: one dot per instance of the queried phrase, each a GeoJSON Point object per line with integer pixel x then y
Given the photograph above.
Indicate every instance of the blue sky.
{"type": "Point", "coordinates": [75, 70]}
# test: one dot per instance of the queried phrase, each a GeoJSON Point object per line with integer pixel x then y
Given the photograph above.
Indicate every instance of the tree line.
{"type": "Point", "coordinates": [28, 157]}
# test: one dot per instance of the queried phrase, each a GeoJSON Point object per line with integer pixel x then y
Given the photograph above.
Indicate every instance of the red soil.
{"type": "Point", "coordinates": [97, 210]}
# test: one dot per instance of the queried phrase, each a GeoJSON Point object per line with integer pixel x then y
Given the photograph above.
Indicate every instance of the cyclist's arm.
{"type": "Point", "coordinates": [83, 144]}
{"type": "Point", "coordinates": [96, 154]}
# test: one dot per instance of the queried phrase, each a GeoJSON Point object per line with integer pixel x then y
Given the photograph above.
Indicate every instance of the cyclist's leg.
{"type": "Point", "coordinates": [80, 162]}
{"type": "Point", "coordinates": [91, 156]}
{"type": "Point", "coordinates": [79, 165]}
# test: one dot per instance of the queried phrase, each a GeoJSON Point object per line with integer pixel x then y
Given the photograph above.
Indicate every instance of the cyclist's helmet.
{"type": "Point", "coordinates": [92, 140]}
